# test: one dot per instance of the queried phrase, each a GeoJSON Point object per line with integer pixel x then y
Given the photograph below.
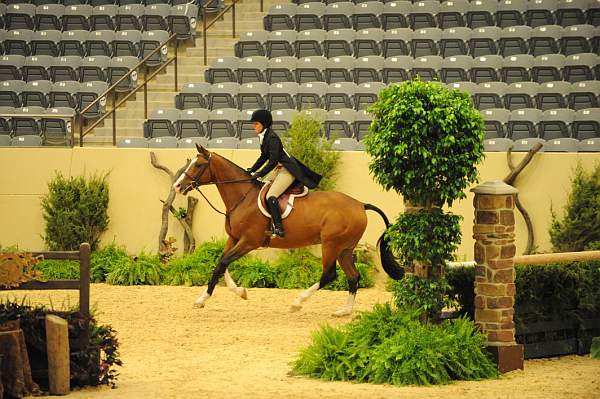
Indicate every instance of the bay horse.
{"type": "Point", "coordinates": [332, 219]}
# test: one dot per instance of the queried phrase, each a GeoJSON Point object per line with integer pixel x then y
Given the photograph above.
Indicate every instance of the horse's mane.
{"type": "Point", "coordinates": [255, 182]}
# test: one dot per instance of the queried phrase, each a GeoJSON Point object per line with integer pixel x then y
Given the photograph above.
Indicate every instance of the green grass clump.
{"type": "Point", "coordinates": [105, 259]}
{"type": "Point", "coordinates": [195, 268]}
{"type": "Point", "coordinates": [142, 270]}
{"type": "Point", "coordinates": [392, 347]}
{"type": "Point", "coordinates": [53, 269]}
{"type": "Point", "coordinates": [297, 268]}
{"type": "Point", "coordinates": [250, 271]}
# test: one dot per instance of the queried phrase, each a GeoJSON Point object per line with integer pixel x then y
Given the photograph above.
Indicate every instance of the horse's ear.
{"type": "Point", "coordinates": [202, 150]}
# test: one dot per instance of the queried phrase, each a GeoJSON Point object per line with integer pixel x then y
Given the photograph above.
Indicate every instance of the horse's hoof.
{"type": "Point", "coordinates": [295, 308]}
{"type": "Point", "coordinates": [342, 313]}
{"type": "Point", "coordinates": [242, 292]}
{"type": "Point", "coordinates": [198, 305]}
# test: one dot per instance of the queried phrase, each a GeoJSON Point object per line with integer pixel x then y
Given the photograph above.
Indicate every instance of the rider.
{"type": "Point", "coordinates": [287, 168]}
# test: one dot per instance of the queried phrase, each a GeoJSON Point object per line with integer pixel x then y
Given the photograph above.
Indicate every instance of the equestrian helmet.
{"type": "Point", "coordinates": [263, 116]}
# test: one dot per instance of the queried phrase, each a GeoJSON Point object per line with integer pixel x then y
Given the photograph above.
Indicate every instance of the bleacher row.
{"type": "Point", "coordinates": [545, 96]}
{"type": "Point", "coordinates": [514, 40]}
{"type": "Point", "coordinates": [180, 19]}
{"type": "Point", "coordinates": [431, 13]}
{"type": "Point", "coordinates": [489, 68]}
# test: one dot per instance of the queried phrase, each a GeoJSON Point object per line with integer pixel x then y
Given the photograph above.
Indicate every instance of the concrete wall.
{"type": "Point", "coordinates": [136, 189]}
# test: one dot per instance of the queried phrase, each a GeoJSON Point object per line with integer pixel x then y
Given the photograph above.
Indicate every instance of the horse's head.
{"type": "Point", "coordinates": [196, 173]}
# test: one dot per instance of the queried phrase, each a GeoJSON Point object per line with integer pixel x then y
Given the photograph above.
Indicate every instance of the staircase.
{"type": "Point", "coordinates": [161, 90]}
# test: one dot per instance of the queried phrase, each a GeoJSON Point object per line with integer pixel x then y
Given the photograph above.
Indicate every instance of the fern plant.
{"type": "Point", "coordinates": [195, 268]}
{"type": "Point", "coordinates": [142, 270]}
{"type": "Point", "coordinates": [105, 259]}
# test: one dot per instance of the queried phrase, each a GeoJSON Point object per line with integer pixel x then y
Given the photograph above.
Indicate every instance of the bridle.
{"type": "Point", "coordinates": [196, 184]}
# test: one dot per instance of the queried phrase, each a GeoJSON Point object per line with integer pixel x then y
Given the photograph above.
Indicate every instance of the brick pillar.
{"type": "Point", "coordinates": [494, 234]}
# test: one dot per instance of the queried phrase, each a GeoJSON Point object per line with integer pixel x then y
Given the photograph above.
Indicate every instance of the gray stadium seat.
{"type": "Point", "coordinates": [10, 93]}
{"type": "Point", "coordinates": [126, 43]}
{"type": "Point", "coordinates": [282, 96]}
{"type": "Point", "coordinates": [280, 43]}
{"type": "Point", "coordinates": [26, 141]}
{"type": "Point", "coordinates": [489, 95]}
{"type": "Point", "coordinates": [499, 144]}
{"type": "Point", "coordinates": [545, 40]}
{"type": "Point", "coordinates": [368, 69]}
{"type": "Point", "coordinates": [88, 93]}
{"type": "Point", "coordinates": [310, 95]}
{"type": "Point", "coordinates": [523, 123]}
{"type": "Point", "coordinates": [308, 43]}
{"type": "Point", "coordinates": [366, 15]}
{"type": "Point", "coordinates": [57, 130]}
{"type": "Point", "coordinates": [163, 142]}
{"type": "Point", "coordinates": [338, 15]}
{"type": "Point", "coordinates": [119, 67]}
{"type": "Point", "coordinates": [486, 68]}
{"type": "Point", "coordinates": [586, 124]}
{"type": "Point", "coordinates": [308, 16]}
{"type": "Point", "coordinates": [48, 17]}
{"type": "Point", "coordinates": [65, 68]}
{"type": "Point", "coordinates": [182, 20]}
{"type": "Point", "coordinates": [570, 12]}
{"type": "Point", "coordinates": [129, 17]}
{"type": "Point", "coordinates": [252, 44]}
{"type": "Point", "coordinates": [252, 69]}
{"type": "Point", "coordinates": [580, 67]}
{"type": "Point", "coordinates": [510, 13]}
{"type": "Point", "coordinates": [93, 69]}
{"type": "Point", "coordinates": [366, 42]}
{"type": "Point", "coordinates": [191, 123]}
{"type": "Point", "coordinates": [280, 17]}
{"type": "Point", "coordinates": [76, 17]}
{"type": "Point", "coordinates": [454, 41]}
{"type": "Point", "coordinates": [584, 94]}
{"type": "Point", "coordinates": [222, 70]}
{"type": "Point", "coordinates": [45, 43]}
{"type": "Point", "coordinates": [156, 17]}
{"type": "Point", "coordinates": [427, 67]}
{"type": "Point", "coordinates": [10, 67]}
{"type": "Point", "coordinates": [552, 95]}
{"type": "Point", "coordinates": [468, 87]}
{"type": "Point", "coordinates": [455, 68]}
{"type": "Point", "coordinates": [193, 95]}
{"type": "Point", "coordinates": [340, 95]}
{"type": "Point", "coordinates": [63, 94]}
{"type": "Point", "coordinates": [99, 43]}
{"type": "Point", "coordinates": [576, 39]}
{"type": "Point", "coordinates": [451, 14]}
{"type": "Point", "coordinates": [396, 42]}
{"type": "Point", "coordinates": [16, 42]}
{"type": "Point", "coordinates": [161, 123]}
{"type": "Point", "coordinates": [19, 16]}
{"type": "Point", "coordinates": [524, 145]}
{"type": "Point", "coordinates": [36, 93]}
{"type": "Point", "coordinates": [520, 95]}
{"type": "Point", "coordinates": [495, 120]}
{"type": "Point", "coordinates": [223, 95]}
{"type": "Point", "coordinates": [362, 121]}
{"type": "Point", "coordinates": [481, 13]}
{"type": "Point", "coordinates": [547, 68]}
{"type": "Point", "coordinates": [423, 14]}
{"type": "Point", "coordinates": [72, 43]}
{"type": "Point", "coordinates": [556, 123]}
{"type": "Point", "coordinates": [396, 69]}
{"type": "Point", "coordinates": [514, 40]}
{"type": "Point", "coordinates": [310, 69]}
{"type": "Point", "coordinates": [540, 12]}
{"type": "Point", "coordinates": [339, 69]}
{"type": "Point", "coordinates": [338, 123]}
{"type": "Point", "coordinates": [150, 41]}
{"type": "Point", "coordinates": [281, 69]}
{"type": "Point", "coordinates": [252, 95]}
{"type": "Point", "coordinates": [394, 15]}
{"type": "Point", "coordinates": [338, 42]}
{"type": "Point", "coordinates": [221, 124]}
{"type": "Point", "coordinates": [484, 40]}
{"type": "Point", "coordinates": [425, 41]}
{"type": "Point", "coordinates": [103, 16]}
{"type": "Point", "coordinates": [366, 94]}
{"type": "Point", "coordinates": [282, 118]}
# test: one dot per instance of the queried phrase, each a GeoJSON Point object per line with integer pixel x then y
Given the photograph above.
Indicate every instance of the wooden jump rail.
{"type": "Point", "coordinates": [83, 284]}
{"type": "Point", "coordinates": [541, 259]}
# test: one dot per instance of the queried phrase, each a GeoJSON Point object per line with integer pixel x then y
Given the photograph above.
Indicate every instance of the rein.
{"type": "Point", "coordinates": [196, 186]}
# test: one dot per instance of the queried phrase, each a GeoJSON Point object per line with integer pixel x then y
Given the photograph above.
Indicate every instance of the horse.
{"type": "Point", "coordinates": [332, 219]}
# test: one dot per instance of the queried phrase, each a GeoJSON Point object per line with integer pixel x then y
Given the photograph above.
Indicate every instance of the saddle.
{"type": "Point", "coordinates": [286, 200]}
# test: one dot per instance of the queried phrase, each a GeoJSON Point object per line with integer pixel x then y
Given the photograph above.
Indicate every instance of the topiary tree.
{"type": "Point", "coordinates": [304, 141]}
{"type": "Point", "coordinates": [579, 228]}
{"type": "Point", "coordinates": [425, 142]}
{"type": "Point", "coordinates": [75, 211]}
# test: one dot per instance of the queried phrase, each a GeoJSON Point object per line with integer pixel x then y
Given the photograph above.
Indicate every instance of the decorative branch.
{"type": "Point", "coordinates": [168, 204]}
{"type": "Point", "coordinates": [510, 179]}
{"type": "Point", "coordinates": [189, 243]}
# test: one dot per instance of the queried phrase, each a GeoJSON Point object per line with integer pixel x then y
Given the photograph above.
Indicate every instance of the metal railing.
{"type": "Point", "coordinates": [206, 25]}
{"type": "Point", "coordinates": [70, 127]}
{"type": "Point", "coordinates": [112, 90]}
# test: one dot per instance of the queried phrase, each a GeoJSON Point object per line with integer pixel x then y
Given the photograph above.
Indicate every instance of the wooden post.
{"type": "Point", "coordinates": [57, 344]}
{"type": "Point", "coordinates": [494, 233]}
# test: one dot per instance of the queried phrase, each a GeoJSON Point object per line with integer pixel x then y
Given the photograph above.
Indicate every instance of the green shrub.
{"type": "Point", "coordinates": [579, 228]}
{"type": "Point", "coordinates": [392, 347]}
{"type": "Point", "coordinates": [105, 259]}
{"type": "Point", "coordinates": [53, 269]}
{"type": "Point", "coordinates": [426, 295]}
{"type": "Point", "coordinates": [252, 272]}
{"type": "Point", "coordinates": [304, 141]}
{"type": "Point", "coordinates": [195, 268]}
{"type": "Point", "coordinates": [75, 211]}
{"type": "Point", "coordinates": [142, 270]}
{"type": "Point", "coordinates": [298, 268]}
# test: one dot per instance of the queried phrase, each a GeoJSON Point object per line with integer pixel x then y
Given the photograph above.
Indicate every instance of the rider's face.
{"type": "Point", "coordinates": [258, 127]}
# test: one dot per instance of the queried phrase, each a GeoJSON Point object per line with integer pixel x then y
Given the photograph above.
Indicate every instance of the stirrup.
{"type": "Point", "coordinates": [277, 232]}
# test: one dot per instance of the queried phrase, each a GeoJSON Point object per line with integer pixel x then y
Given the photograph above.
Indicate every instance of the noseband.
{"type": "Point", "coordinates": [196, 181]}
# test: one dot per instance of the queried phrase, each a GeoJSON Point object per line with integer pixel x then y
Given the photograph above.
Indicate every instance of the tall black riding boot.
{"type": "Point", "coordinates": [275, 217]}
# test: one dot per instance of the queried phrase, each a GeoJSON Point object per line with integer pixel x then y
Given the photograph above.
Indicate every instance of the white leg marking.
{"type": "Point", "coordinates": [346, 310]}
{"type": "Point", "coordinates": [201, 299]}
{"type": "Point", "coordinates": [240, 291]}
{"type": "Point", "coordinates": [297, 304]}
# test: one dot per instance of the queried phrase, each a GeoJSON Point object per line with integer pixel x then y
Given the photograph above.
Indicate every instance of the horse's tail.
{"type": "Point", "coordinates": [389, 263]}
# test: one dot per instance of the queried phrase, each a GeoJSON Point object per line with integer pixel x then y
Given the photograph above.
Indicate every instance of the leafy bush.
{"type": "Point", "coordinates": [392, 347]}
{"type": "Point", "coordinates": [250, 271]}
{"type": "Point", "coordinates": [58, 269]}
{"type": "Point", "coordinates": [195, 268]}
{"type": "Point", "coordinates": [142, 270]}
{"type": "Point", "coordinates": [427, 296]}
{"type": "Point", "coordinates": [75, 211]}
{"type": "Point", "coordinates": [105, 259]}
{"type": "Point", "coordinates": [304, 141]}
{"type": "Point", "coordinates": [579, 228]}
{"type": "Point", "coordinates": [595, 350]}
{"type": "Point", "coordinates": [299, 268]}
{"type": "Point", "coordinates": [425, 141]}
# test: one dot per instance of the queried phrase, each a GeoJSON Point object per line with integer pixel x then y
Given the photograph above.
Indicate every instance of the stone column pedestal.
{"type": "Point", "coordinates": [494, 233]}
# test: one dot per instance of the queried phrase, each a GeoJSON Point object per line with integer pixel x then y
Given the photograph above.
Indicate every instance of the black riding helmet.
{"type": "Point", "coordinates": [263, 116]}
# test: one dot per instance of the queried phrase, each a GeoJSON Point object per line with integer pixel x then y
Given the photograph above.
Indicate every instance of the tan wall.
{"type": "Point", "coordinates": [136, 189]}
